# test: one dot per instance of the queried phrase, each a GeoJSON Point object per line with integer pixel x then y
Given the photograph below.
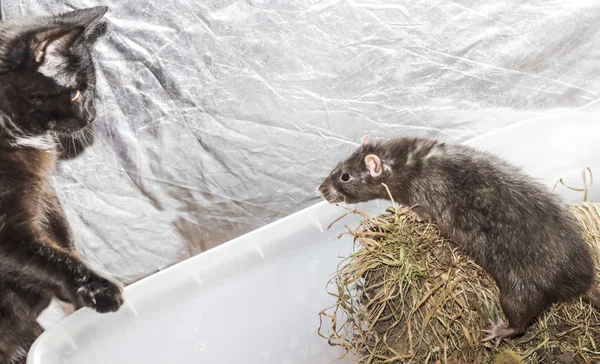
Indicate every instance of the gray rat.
{"type": "Point", "coordinates": [511, 225]}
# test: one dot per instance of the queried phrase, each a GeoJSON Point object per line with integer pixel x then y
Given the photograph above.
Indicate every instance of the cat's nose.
{"type": "Point", "coordinates": [88, 117]}
{"type": "Point", "coordinates": [89, 112]}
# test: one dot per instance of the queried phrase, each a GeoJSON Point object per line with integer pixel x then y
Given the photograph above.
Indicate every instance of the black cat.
{"type": "Point", "coordinates": [47, 83]}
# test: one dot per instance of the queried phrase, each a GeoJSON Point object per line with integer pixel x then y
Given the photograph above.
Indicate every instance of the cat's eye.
{"type": "Point", "coordinates": [75, 95]}
{"type": "Point", "coordinates": [345, 177]}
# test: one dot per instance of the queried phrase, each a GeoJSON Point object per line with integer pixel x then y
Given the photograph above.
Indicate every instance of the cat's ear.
{"type": "Point", "coordinates": [83, 17]}
{"type": "Point", "coordinates": [54, 44]}
{"type": "Point", "coordinates": [95, 31]}
{"type": "Point", "coordinates": [90, 19]}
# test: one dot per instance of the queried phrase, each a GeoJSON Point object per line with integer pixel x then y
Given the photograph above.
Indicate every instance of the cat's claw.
{"type": "Point", "coordinates": [100, 294]}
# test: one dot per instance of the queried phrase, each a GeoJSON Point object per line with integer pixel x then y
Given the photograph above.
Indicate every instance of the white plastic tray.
{"type": "Point", "coordinates": [252, 300]}
{"type": "Point", "coordinates": [256, 299]}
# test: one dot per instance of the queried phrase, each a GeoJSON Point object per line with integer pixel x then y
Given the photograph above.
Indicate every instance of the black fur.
{"type": "Point", "coordinates": [43, 61]}
{"type": "Point", "coordinates": [513, 227]}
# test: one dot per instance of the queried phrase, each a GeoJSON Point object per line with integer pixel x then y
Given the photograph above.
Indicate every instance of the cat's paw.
{"type": "Point", "coordinates": [100, 294]}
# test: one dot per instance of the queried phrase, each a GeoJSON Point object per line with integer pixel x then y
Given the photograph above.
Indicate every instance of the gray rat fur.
{"type": "Point", "coordinates": [512, 226]}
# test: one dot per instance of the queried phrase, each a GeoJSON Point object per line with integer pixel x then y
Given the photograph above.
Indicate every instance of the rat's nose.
{"type": "Point", "coordinates": [319, 192]}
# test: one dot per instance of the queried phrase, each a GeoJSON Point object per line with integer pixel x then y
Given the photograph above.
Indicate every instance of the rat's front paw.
{"type": "Point", "coordinates": [100, 294]}
{"type": "Point", "coordinates": [414, 216]}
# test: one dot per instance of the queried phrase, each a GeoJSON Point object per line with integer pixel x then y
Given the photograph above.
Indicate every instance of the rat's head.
{"type": "Point", "coordinates": [47, 75]}
{"type": "Point", "coordinates": [357, 179]}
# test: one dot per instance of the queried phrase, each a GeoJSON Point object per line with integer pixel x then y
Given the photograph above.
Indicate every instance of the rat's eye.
{"type": "Point", "coordinates": [75, 95]}
{"type": "Point", "coordinates": [345, 177]}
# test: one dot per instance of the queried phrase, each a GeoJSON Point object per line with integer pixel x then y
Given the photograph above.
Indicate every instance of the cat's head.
{"type": "Point", "coordinates": [47, 75]}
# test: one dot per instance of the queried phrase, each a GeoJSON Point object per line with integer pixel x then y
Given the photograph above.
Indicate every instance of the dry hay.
{"type": "Point", "coordinates": [408, 296]}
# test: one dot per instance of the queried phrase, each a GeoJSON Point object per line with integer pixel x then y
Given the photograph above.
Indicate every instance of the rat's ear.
{"type": "Point", "coordinates": [374, 165]}
{"type": "Point", "coordinates": [364, 140]}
